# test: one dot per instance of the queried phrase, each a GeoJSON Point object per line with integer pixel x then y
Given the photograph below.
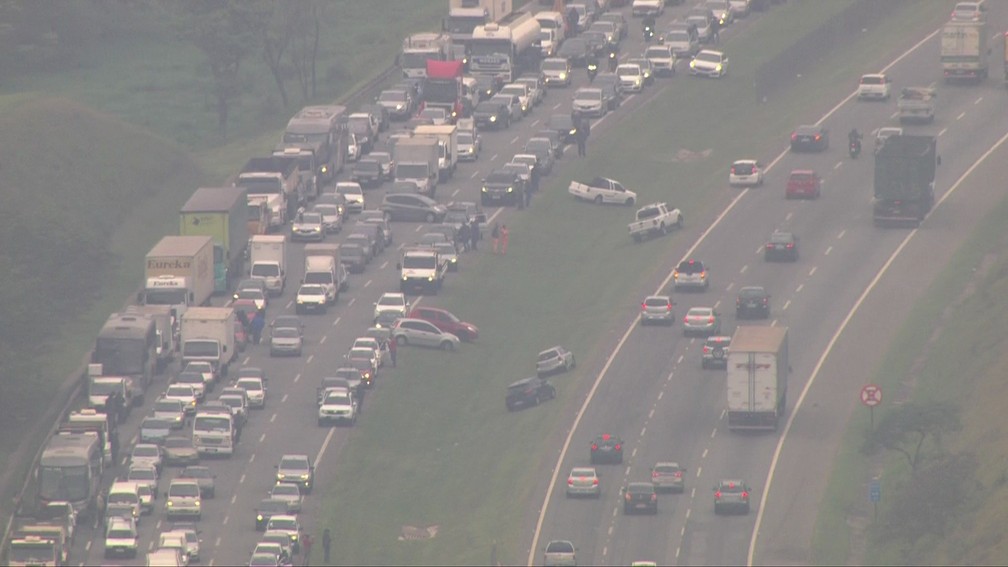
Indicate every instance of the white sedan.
{"type": "Point", "coordinates": [709, 63]}
{"type": "Point", "coordinates": [554, 360]}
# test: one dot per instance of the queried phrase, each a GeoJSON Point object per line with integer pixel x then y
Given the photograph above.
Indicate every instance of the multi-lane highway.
{"type": "Point", "coordinates": [677, 406]}
{"type": "Point", "coordinates": [654, 393]}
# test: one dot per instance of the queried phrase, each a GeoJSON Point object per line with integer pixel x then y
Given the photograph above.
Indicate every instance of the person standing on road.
{"type": "Point", "coordinates": [494, 236]}
{"type": "Point", "coordinates": [258, 323]}
{"type": "Point", "coordinates": [306, 545]}
{"type": "Point", "coordinates": [326, 542]}
{"type": "Point", "coordinates": [504, 238]}
{"type": "Point", "coordinates": [581, 136]}
{"type": "Point", "coordinates": [99, 512]}
{"type": "Point", "coordinates": [474, 234]}
{"type": "Point", "coordinates": [114, 442]}
{"type": "Point", "coordinates": [463, 236]}
{"type": "Point", "coordinates": [392, 344]}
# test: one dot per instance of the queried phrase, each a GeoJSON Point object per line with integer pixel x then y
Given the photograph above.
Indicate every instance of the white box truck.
{"type": "Point", "coordinates": [321, 270]}
{"type": "Point", "coordinates": [268, 261]}
{"type": "Point", "coordinates": [208, 334]}
{"type": "Point", "coordinates": [167, 330]}
{"type": "Point", "coordinates": [416, 160]}
{"type": "Point", "coordinates": [179, 273]}
{"type": "Point", "coordinates": [964, 50]}
{"type": "Point", "coordinates": [757, 377]}
{"type": "Point", "coordinates": [447, 147]}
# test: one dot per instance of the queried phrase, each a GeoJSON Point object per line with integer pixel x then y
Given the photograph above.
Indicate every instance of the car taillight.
{"type": "Point", "coordinates": [668, 307]}
{"type": "Point", "coordinates": [745, 495]}
{"type": "Point", "coordinates": [733, 171]}
{"type": "Point", "coordinates": [794, 137]}
{"type": "Point", "coordinates": [594, 446]}
{"type": "Point", "coordinates": [643, 306]}
{"type": "Point", "coordinates": [628, 497]}
{"type": "Point", "coordinates": [594, 482]}
{"type": "Point", "coordinates": [703, 274]}
{"type": "Point", "coordinates": [570, 482]}
{"type": "Point", "coordinates": [678, 474]}
{"type": "Point", "coordinates": [817, 137]}
{"type": "Point", "coordinates": [770, 246]}
{"type": "Point", "coordinates": [654, 497]}
{"type": "Point", "coordinates": [717, 495]}
{"type": "Point", "coordinates": [685, 319]}
{"type": "Point", "coordinates": [654, 474]}
{"type": "Point", "coordinates": [618, 447]}
{"type": "Point", "coordinates": [711, 319]}
{"type": "Point", "coordinates": [790, 245]}
{"type": "Point", "coordinates": [706, 349]}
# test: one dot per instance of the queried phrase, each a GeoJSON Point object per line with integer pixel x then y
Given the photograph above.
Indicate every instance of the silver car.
{"type": "Point", "coordinates": [554, 360]}
{"type": "Point", "coordinates": [657, 309]}
{"type": "Point", "coordinates": [423, 333]}
{"type": "Point", "coordinates": [583, 481]}
{"type": "Point", "coordinates": [704, 321]}
{"type": "Point", "coordinates": [332, 221]}
{"type": "Point", "coordinates": [308, 226]}
{"type": "Point", "coordinates": [468, 146]}
{"type": "Point", "coordinates": [289, 493]}
{"type": "Point", "coordinates": [255, 389]}
{"type": "Point", "coordinates": [559, 552]}
{"type": "Point", "coordinates": [668, 476]}
{"type": "Point", "coordinates": [731, 495]}
{"type": "Point", "coordinates": [286, 341]}
{"type": "Point", "coordinates": [589, 102]}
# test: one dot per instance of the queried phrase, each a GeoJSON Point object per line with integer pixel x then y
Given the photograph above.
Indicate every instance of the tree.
{"type": "Point", "coordinates": [306, 17]}
{"type": "Point", "coordinates": [277, 27]}
{"type": "Point", "coordinates": [226, 32]}
{"type": "Point", "coordinates": [906, 428]}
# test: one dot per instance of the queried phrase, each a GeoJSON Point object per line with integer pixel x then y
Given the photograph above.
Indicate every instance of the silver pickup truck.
{"type": "Point", "coordinates": [917, 104]}
{"type": "Point", "coordinates": [654, 219]}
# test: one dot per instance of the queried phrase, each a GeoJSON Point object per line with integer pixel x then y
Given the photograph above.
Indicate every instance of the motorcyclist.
{"type": "Point", "coordinates": [613, 59]}
{"type": "Point", "coordinates": [592, 63]}
{"type": "Point", "coordinates": [649, 27]}
{"type": "Point", "coordinates": [854, 137]}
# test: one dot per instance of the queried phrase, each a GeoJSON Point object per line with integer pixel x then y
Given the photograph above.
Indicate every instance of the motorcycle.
{"type": "Point", "coordinates": [592, 71]}
{"type": "Point", "coordinates": [855, 148]}
{"type": "Point", "coordinates": [613, 62]}
{"type": "Point", "coordinates": [648, 34]}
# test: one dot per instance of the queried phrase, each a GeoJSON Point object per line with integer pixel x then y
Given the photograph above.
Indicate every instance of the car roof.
{"type": "Point", "coordinates": [802, 172]}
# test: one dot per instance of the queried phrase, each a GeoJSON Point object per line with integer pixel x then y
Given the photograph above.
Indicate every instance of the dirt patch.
{"type": "Point", "coordinates": [414, 533]}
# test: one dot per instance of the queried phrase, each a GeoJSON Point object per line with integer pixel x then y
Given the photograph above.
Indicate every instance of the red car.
{"type": "Point", "coordinates": [445, 321]}
{"type": "Point", "coordinates": [803, 184]}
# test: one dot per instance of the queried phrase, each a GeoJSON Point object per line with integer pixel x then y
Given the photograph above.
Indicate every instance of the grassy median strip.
{"type": "Point", "coordinates": [440, 449]}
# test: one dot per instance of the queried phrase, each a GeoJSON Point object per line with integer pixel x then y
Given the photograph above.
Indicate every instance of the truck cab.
{"type": "Point", "coordinates": [422, 269]}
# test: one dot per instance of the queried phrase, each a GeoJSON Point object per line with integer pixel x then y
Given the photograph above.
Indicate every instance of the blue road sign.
{"type": "Point", "coordinates": [875, 491]}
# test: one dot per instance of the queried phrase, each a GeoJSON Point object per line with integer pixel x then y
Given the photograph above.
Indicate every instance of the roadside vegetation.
{"type": "Point", "coordinates": [441, 454]}
{"type": "Point", "coordinates": [941, 453]}
{"type": "Point", "coordinates": [109, 123]}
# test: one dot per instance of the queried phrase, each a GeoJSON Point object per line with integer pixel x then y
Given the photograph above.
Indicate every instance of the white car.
{"type": "Point", "coordinates": [438, 116]}
{"type": "Point", "coordinates": [255, 391]}
{"type": "Point", "coordinates": [311, 297]}
{"type": "Point", "coordinates": [337, 405]}
{"type": "Point", "coordinates": [353, 194]}
{"type": "Point", "coordinates": [204, 367]}
{"type": "Point", "coordinates": [662, 58]}
{"type": "Point", "coordinates": [372, 343]}
{"type": "Point", "coordinates": [121, 538]}
{"type": "Point", "coordinates": [146, 454]}
{"type": "Point", "coordinates": [548, 42]}
{"type": "Point", "coordinates": [631, 77]}
{"type": "Point", "coordinates": [709, 63]}
{"type": "Point", "coordinates": [183, 393]}
{"type": "Point", "coordinates": [746, 173]}
{"type": "Point", "coordinates": [394, 302]}
{"type": "Point", "coordinates": [521, 91]}
{"type": "Point", "coordinates": [874, 86]}
{"type": "Point", "coordinates": [589, 102]}
{"type": "Point", "coordinates": [288, 492]}
{"type": "Point", "coordinates": [740, 8]}
{"type": "Point", "coordinates": [183, 499]}
{"type": "Point", "coordinates": [645, 7]}
{"type": "Point", "coordinates": [332, 221]}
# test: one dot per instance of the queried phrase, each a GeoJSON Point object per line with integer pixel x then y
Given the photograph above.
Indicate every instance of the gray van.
{"type": "Point", "coordinates": [409, 207]}
{"type": "Point", "coordinates": [374, 232]}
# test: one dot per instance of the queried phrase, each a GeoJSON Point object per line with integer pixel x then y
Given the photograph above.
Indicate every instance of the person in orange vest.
{"type": "Point", "coordinates": [504, 238]}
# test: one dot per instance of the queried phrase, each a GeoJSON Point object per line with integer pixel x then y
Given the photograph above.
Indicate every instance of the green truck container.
{"type": "Point", "coordinates": [220, 213]}
{"type": "Point", "coordinates": [904, 180]}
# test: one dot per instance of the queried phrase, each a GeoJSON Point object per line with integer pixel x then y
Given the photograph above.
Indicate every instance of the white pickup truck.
{"type": "Point", "coordinates": [654, 219]}
{"type": "Point", "coordinates": [602, 190]}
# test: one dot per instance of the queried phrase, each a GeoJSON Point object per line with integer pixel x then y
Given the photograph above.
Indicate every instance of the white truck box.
{"type": "Point", "coordinates": [410, 153]}
{"type": "Point", "coordinates": [446, 135]}
{"type": "Point", "coordinates": [208, 334]}
{"type": "Point", "coordinates": [321, 270]}
{"type": "Point", "coordinates": [964, 50]}
{"type": "Point", "coordinates": [268, 261]}
{"type": "Point", "coordinates": [757, 376]}
{"type": "Point", "coordinates": [179, 272]}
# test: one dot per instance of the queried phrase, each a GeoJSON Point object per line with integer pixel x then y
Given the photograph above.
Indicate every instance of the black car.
{"type": "Point", "coordinates": [487, 86]}
{"type": "Point", "coordinates": [353, 257]}
{"type": "Point", "coordinates": [529, 392]}
{"type": "Point", "coordinates": [555, 139]}
{"type": "Point", "coordinates": [503, 187]}
{"type": "Point", "coordinates": [492, 115]}
{"type": "Point", "coordinates": [782, 246]}
{"type": "Point", "coordinates": [598, 44]}
{"type": "Point", "coordinates": [810, 138]}
{"type": "Point", "coordinates": [575, 50]}
{"type": "Point", "coordinates": [398, 103]}
{"type": "Point", "coordinates": [640, 497]}
{"type": "Point", "coordinates": [266, 509]}
{"type": "Point", "coordinates": [367, 172]}
{"type": "Point", "coordinates": [607, 448]}
{"type": "Point", "coordinates": [753, 302]}
{"type": "Point", "coordinates": [563, 124]}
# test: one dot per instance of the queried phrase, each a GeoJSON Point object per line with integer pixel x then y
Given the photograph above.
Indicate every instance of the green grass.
{"type": "Point", "coordinates": [440, 449]}
{"type": "Point", "coordinates": [964, 364]}
{"type": "Point", "coordinates": [148, 77]}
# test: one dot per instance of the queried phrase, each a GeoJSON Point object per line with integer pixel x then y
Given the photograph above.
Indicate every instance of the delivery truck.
{"type": "Point", "coordinates": [447, 147]}
{"type": "Point", "coordinates": [268, 261]}
{"type": "Point", "coordinates": [208, 334]}
{"type": "Point", "coordinates": [757, 377]}
{"type": "Point", "coordinates": [416, 160]}
{"type": "Point", "coordinates": [904, 180]}
{"type": "Point", "coordinates": [964, 50]}
{"type": "Point", "coordinates": [179, 273]}
{"type": "Point", "coordinates": [220, 213]}
{"type": "Point", "coordinates": [167, 328]}
{"type": "Point", "coordinates": [276, 181]}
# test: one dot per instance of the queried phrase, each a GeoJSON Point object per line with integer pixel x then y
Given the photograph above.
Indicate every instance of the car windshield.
{"type": "Point", "coordinates": [189, 378]}
{"type": "Point", "coordinates": [195, 472]}
{"type": "Point", "coordinates": [177, 442]}
{"type": "Point", "coordinates": [142, 473]}
{"type": "Point", "coordinates": [183, 489]}
{"type": "Point", "coordinates": [146, 451]}
{"type": "Point", "coordinates": [286, 333]}
{"type": "Point", "coordinates": [349, 190]}
{"type": "Point", "coordinates": [559, 547]}
{"type": "Point", "coordinates": [313, 290]}
{"type": "Point", "coordinates": [780, 237]}
{"type": "Point", "coordinates": [250, 384]}
{"type": "Point", "coordinates": [392, 96]}
{"type": "Point", "coordinates": [640, 488]}
{"type": "Point", "coordinates": [293, 464]}
{"type": "Point", "coordinates": [282, 523]}
{"type": "Point", "coordinates": [311, 218]}
{"type": "Point", "coordinates": [690, 267]}
{"type": "Point", "coordinates": [708, 57]}
{"type": "Point", "coordinates": [464, 139]}
{"type": "Point", "coordinates": [628, 70]}
{"type": "Point", "coordinates": [391, 300]}
{"type": "Point", "coordinates": [699, 312]}
{"type": "Point", "coordinates": [656, 302]}
{"type": "Point", "coordinates": [548, 355]}
{"type": "Point", "coordinates": [731, 487]}
{"type": "Point", "coordinates": [436, 113]}
{"type": "Point", "coordinates": [752, 292]}
{"type": "Point", "coordinates": [588, 94]}
{"type": "Point", "coordinates": [286, 489]}
{"type": "Point", "coordinates": [171, 406]}
{"type": "Point", "coordinates": [667, 468]}
{"type": "Point", "coordinates": [120, 533]}
{"type": "Point", "coordinates": [699, 21]}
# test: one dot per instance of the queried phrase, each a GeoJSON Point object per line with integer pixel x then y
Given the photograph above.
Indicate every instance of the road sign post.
{"type": "Point", "coordinates": [875, 494]}
{"type": "Point", "coordinates": [871, 396]}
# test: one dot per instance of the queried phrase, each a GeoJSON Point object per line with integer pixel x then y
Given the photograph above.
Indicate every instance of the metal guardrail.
{"type": "Point", "coordinates": [71, 388]}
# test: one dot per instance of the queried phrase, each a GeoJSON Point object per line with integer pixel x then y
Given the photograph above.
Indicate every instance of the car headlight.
{"type": "Point", "coordinates": [563, 76]}
{"type": "Point", "coordinates": [718, 68]}
{"type": "Point", "coordinates": [637, 82]}
{"type": "Point", "coordinates": [573, 131]}
{"type": "Point", "coordinates": [300, 300]}
{"type": "Point", "coordinates": [493, 118]}
{"type": "Point", "coordinates": [304, 476]}
{"type": "Point", "coordinates": [692, 64]}
{"type": "Point", "coordinates": [281, 476]}
{"type": "Point", "coordinates": [430, 278]}
{"type": "Point", "coordinates": [259, 517]}
{"type": "Point", "coordinates": [510, 189]}
{"type": "Point", "coordinates": [170, 504]}
{"type": "Point", "coordinates": [484, 190]}
{"type": "Point", "coordinates": [453, 260]}
{"type": "Point", "coordinates": [398, 107]}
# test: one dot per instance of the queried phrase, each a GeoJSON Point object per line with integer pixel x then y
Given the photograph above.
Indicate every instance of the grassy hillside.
{"type": "Point", "coordinates": [68, 177]}
{"type": "Point", "coordinates": [952, 349]}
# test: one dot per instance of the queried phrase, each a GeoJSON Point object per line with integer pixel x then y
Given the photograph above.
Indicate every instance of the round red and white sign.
{"type": "Point", "coordinates": [871, 395]}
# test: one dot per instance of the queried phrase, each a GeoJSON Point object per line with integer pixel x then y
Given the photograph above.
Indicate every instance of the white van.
{"type": "Point", "coordinates": [123, 500]}
{"type": "Point", "coordinates": [321, 270]}
{"type": "Point", "coordinates": [553, 21]}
